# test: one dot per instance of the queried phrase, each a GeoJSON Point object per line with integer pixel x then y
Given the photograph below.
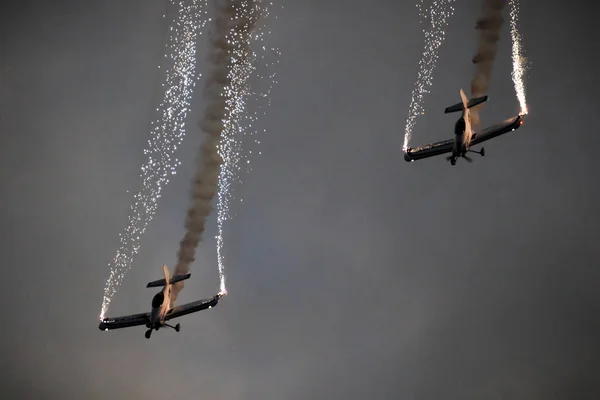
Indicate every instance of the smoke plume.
{"type": "Point", "coordinates": [230, 30]}
{"type": "Point", "coordinates": [488, 28]}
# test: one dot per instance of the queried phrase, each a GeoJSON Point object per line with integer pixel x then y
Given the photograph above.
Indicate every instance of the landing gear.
{"type": "Point", "coordinates": [176, 327]}
{"type": "Point", "coordinates": [480, 152]}
{"type": "Point", "coordinates": [453, 161]}
{"type": "Point", "coordinates": [148, 333]}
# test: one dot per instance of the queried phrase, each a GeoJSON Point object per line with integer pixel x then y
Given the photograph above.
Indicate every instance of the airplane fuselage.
{"type": "Point", "coordinates": [161, 304]}
{"type": "Point", "coordinates": [462, 134]}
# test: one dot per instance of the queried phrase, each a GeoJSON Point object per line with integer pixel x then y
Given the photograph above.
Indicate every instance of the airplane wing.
{"type": "Point", "coordinates": [192, 307]}
{"type": "Point", "coordinates": [430, 150]}
{"type": "Point", "coordinates": [124, 322]}
{"type": "Point", "coordinates": [445, 146]}
{"type": "Point", "coordinates": [493, 131]}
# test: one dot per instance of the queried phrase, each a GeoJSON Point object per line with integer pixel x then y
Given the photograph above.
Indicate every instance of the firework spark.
{"type": "Point", "coordinates": [242, 124]}
{"type": "Point", "coordinates": [436, 17]}
{"type": "Point", "coordinates": [167, 133]}
{"type": "Point", "coordinates": [518, 73]}
{"type": "Point", "coordinates": [225, 89]}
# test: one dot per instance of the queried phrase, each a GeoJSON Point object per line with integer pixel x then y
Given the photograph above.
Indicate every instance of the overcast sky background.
{"type": "Point", "coordinates": [351, 273]}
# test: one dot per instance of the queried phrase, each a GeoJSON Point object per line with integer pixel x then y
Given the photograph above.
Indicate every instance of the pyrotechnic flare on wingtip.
{"type": "Point", "coordinates": [517, 56]}
{"type": "Point", "coordinates": [229, 47]}
{"type": "Point", "coordinates": [488, 29]}
{"type": "Point", "coordinates": [436, 16]}
{"type": "Point", "coordinates": [243, 123]}
{"type": "Point", "coordinates": [166, 135]}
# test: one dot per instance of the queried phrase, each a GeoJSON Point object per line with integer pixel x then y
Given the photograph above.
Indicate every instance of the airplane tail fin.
{"type": "Point", "coordinates": [465, 103]}
{"type": "Point", "coordinates": [166, 273]}
{"type": "Point", "coordinates": [463, 98]}
{"type": "Point", "coordinates": [168, 279]}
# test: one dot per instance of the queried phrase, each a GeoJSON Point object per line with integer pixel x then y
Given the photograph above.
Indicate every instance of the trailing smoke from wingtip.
{"type": "Point", "coordinates": [488, 31]}
{"type": "Point", "coordinates": [234, 20]}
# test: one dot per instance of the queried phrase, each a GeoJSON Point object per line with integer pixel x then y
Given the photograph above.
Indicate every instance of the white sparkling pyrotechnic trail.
{"type": "Point", "coordinates": [436, 16]}
{"type": "Point", "coordinates": [518, 73]}
{"type": "Point", "coordinates": [232, 58]}
{"type": "Point", "coordinates": [242, 123]}
{"type": "Point", "coordinates": [167, 132]}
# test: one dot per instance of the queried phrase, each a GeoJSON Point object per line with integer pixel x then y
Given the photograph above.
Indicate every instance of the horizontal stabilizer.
{"type": "Point", "coordinates": [459, 106]}
{"type": "Point", "coordinates": [163, 282]}
{"type": "Point", "coordinates": [455, 108]}
{"type": "Point", "coordinates": [476, 101]}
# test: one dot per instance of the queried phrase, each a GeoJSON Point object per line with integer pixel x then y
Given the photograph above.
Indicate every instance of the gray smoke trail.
{"type": "Point", "coordinates": [488, 28]}
{"type": "Point", "coordinates": [235, 19]}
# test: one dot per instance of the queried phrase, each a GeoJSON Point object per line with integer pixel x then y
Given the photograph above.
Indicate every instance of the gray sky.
{"type": "Point", "coordinates": [352, 274]}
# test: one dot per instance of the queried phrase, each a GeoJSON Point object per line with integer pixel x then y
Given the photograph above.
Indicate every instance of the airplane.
{"type": "Point", "coordinates": [464, 137]}
{"type": "Point", "coordinates": [162, 310]}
